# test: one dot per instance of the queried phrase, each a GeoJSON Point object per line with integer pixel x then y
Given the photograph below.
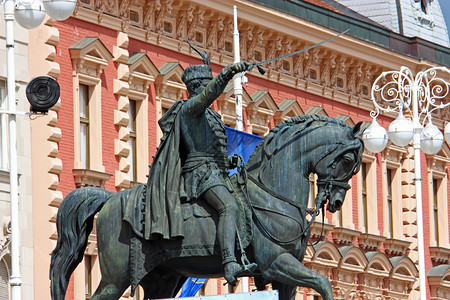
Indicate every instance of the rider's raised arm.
{"type": "Point", "coordinates": [199, 103]}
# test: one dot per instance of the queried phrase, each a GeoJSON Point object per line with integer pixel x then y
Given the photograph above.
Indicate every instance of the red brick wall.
{"type": "Point", "coordinates": [70, 32]}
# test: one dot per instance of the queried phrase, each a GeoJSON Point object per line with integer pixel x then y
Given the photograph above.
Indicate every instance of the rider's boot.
{"type": "Point", "coordinates": [233, 269]}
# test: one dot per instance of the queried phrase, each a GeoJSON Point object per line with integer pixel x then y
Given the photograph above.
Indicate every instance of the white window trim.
{"type": "Point", "coordinates": [372, 201]}
{"type": "Point", "coordinates": [95, 125]}
{"type": "Point", "coordinates": [443, 222]}
{"type": "Point", "coordinates": [392, 157]}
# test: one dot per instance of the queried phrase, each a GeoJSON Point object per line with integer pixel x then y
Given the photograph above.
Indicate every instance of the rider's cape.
{"type": "Point", "coordinates": [159, 214]}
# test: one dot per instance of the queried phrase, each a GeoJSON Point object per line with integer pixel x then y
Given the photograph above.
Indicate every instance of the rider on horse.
{"type": "Point", "coordinates": [204, 155]}
{"type": "Point", "coordinates": [192, 163]}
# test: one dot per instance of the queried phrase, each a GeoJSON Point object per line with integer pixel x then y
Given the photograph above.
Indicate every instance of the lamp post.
{"type": "Point", "coordinates": [420, 97]}
{"type": "Point", "coordinates": [29, 14]}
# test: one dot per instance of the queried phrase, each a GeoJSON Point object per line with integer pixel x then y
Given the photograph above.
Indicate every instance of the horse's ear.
{"type": "Point", "coordinates": [357, 131]}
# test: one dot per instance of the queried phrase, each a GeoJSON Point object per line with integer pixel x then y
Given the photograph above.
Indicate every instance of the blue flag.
{"type": "Point", "coordinates": [191, 287]}
{"type": "Point", "coordinates": [241, 143]}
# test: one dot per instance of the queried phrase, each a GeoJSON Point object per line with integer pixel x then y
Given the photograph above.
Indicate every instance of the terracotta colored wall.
{"type": "Point", "coordinates": [72, 31]}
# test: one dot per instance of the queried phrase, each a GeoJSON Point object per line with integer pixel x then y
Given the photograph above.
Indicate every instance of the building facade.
{"type": "Point", "coordinates": [119, 65]}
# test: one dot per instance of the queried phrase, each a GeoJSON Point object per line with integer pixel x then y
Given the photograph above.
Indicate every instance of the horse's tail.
{"type": "Point", "coordinates": [74, 223]}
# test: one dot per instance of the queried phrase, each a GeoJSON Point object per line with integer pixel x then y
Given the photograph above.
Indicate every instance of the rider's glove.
{"type": "Point", "coordinates": [234, 161]}
{"type": "Point", "coordinates": [233, 69]}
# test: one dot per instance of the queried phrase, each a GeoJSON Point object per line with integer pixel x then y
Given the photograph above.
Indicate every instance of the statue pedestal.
{"type": "Point", "coordinates": [265, 295]}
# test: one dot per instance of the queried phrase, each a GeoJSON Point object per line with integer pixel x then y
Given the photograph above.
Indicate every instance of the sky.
{"type": "Point", "coordinates": [445, 6]}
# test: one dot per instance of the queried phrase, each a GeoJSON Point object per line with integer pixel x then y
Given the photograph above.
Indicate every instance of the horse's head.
{"type": "Point", "coordinates": [336, 166]}
{"type": "Point", "coordinates": [307, 144]}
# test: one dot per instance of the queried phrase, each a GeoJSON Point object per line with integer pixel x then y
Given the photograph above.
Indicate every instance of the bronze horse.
{"type": "Point", "coordinates": [277, 192]}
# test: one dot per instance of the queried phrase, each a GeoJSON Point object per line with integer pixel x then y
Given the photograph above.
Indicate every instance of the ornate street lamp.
{"type": "Point", "coordinates": [29, 14]}
{"type": "Point", "coordinates": [420, 97]}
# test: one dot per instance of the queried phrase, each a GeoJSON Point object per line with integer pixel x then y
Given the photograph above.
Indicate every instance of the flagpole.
{"type": "Point", "coordinates": [237, 80]}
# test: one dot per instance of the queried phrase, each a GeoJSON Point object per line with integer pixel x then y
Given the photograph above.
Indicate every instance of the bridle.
{"type": "Point", "coordinates": [321, 198]}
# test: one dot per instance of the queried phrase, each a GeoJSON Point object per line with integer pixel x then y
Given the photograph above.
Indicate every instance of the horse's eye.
{"type": "Point", "coordinates": [345, 164]}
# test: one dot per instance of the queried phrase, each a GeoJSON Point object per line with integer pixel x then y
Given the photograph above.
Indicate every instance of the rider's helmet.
{"type": "Point", "coordinates": [197, 75]}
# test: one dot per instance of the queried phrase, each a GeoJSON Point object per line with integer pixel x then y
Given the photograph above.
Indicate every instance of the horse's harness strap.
{"type": "Point", "coordinates": [280, 197]}
{"type": "Point", "coordinates": [331, 182]}
{"type": "Point", "coordinates": [312, 212]}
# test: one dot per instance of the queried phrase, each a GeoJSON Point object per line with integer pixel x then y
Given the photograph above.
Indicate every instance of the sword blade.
{"type": "Point", "coordinates": [261, 70]}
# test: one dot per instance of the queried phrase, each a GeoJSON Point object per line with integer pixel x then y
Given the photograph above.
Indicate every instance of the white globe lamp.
{"type": "Point", "coordinates": [60, 9]}
{"type": "Point", "coordinates": [447, 132]}
{"type": "Point", "coordinates": [400, 131]}
{"type": "Point", "coordinates": [375, 137]}
{"type": "Point", "coordinates": [431, 139]}
{"type": "Point", "coordinates": [29, 14]}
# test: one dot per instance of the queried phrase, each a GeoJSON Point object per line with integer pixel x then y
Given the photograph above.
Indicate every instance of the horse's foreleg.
{"type": "Point", "coordinates": [286, 269]}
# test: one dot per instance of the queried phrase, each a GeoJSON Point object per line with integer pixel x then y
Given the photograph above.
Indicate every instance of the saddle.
{"type": "Point", "coordinates": [199, 216]}
{"type": "Point", "coordinates": [200, 224]}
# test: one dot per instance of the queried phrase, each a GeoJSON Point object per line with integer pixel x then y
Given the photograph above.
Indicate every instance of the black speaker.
{"type": "Point", "coordinates": [42, 93]}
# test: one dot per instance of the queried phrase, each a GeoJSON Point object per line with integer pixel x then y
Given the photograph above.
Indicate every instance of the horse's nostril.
{"type": "Point", "coordinates": [338, 203]}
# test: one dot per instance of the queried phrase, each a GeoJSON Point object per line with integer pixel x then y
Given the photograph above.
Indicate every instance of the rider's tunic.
{"type": "Point", "coordinates": [204, 153]}
{"type": "Point", "coordinates": [183, 167]}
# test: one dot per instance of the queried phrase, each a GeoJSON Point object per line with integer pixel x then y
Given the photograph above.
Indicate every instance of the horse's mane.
{"type": "Point", "coordinates": [302, 122]}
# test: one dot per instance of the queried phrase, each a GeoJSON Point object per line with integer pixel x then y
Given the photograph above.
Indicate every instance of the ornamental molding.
{"type": "Point", "coordinates": [142, 72]}
{"type": "Point", "coordinates": [370, 242]}
{"type": "Point", "coordinates": [395, 247]}
{"type": "Point", "coordinates": [5, 236]}
{"type": "Point", "coordinates": [288, 108]}
{"type": "Point", "coordinates": [440, 255]}
{"type": "Point", "coordinates": [89, 56]}
{"type": "Point", "coordinates": [86, 177]}
{"type": "Point", "coordinates": [344, 236]}
{"type": "Point", "coordinates": [169, 86]}
{"type": "Point", "coordinates": [319, 230]}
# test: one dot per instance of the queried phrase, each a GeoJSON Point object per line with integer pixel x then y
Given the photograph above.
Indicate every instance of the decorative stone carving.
{"type": "Point", "coordinates": [344, 236]}
{"type": "Point", "coordinates": [394, 247]}
{"type": "Point", "coordinates": [152, 9]}
{"type": "Point", "coordinates": [370, 242]}
{"type": "Point", "coordinates": [320, 230]}
{"type": "Point", "coordinates": [5, 236]}
{"type": "Point", "coordinates": [254, 40]}
{"type": "Point", "coordinates": [212, 31]}
{"type": "Point", "coordinates": [440, 255]}
{"type": "Point", "coordinates": [84, 177]}
{"type": "Point", "coordinates": [124, 9]}
{"type": "Point", "coordinates": [224, 27]}
{"type": "Point", "coordinates": [194, 18]}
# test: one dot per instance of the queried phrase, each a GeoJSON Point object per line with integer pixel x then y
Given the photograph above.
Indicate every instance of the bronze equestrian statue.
{"type": "Point", "coordinates": [190, 219]}
{"type": "Point", "coordinates": [193, 155]}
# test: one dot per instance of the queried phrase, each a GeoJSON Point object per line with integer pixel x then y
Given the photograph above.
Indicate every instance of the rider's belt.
{"type": "Point", "coordinates": [196, 159]}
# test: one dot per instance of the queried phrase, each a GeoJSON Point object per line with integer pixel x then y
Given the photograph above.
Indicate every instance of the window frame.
{"type": "Point", "coordinates": [94, 150]}
{"type": "Point", "coordinates": [392, 158]}
{"type": "Point", "coordinates": [368, 223]}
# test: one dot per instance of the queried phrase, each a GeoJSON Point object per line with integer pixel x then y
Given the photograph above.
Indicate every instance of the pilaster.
{"type": "Point", "coordinates": [121, 119]}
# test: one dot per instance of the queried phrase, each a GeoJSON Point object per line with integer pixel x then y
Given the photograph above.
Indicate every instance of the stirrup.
{"type": "Point", "coordinates": [248, 266]}
{"type": "Point", "coordinates": [242, 270]}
